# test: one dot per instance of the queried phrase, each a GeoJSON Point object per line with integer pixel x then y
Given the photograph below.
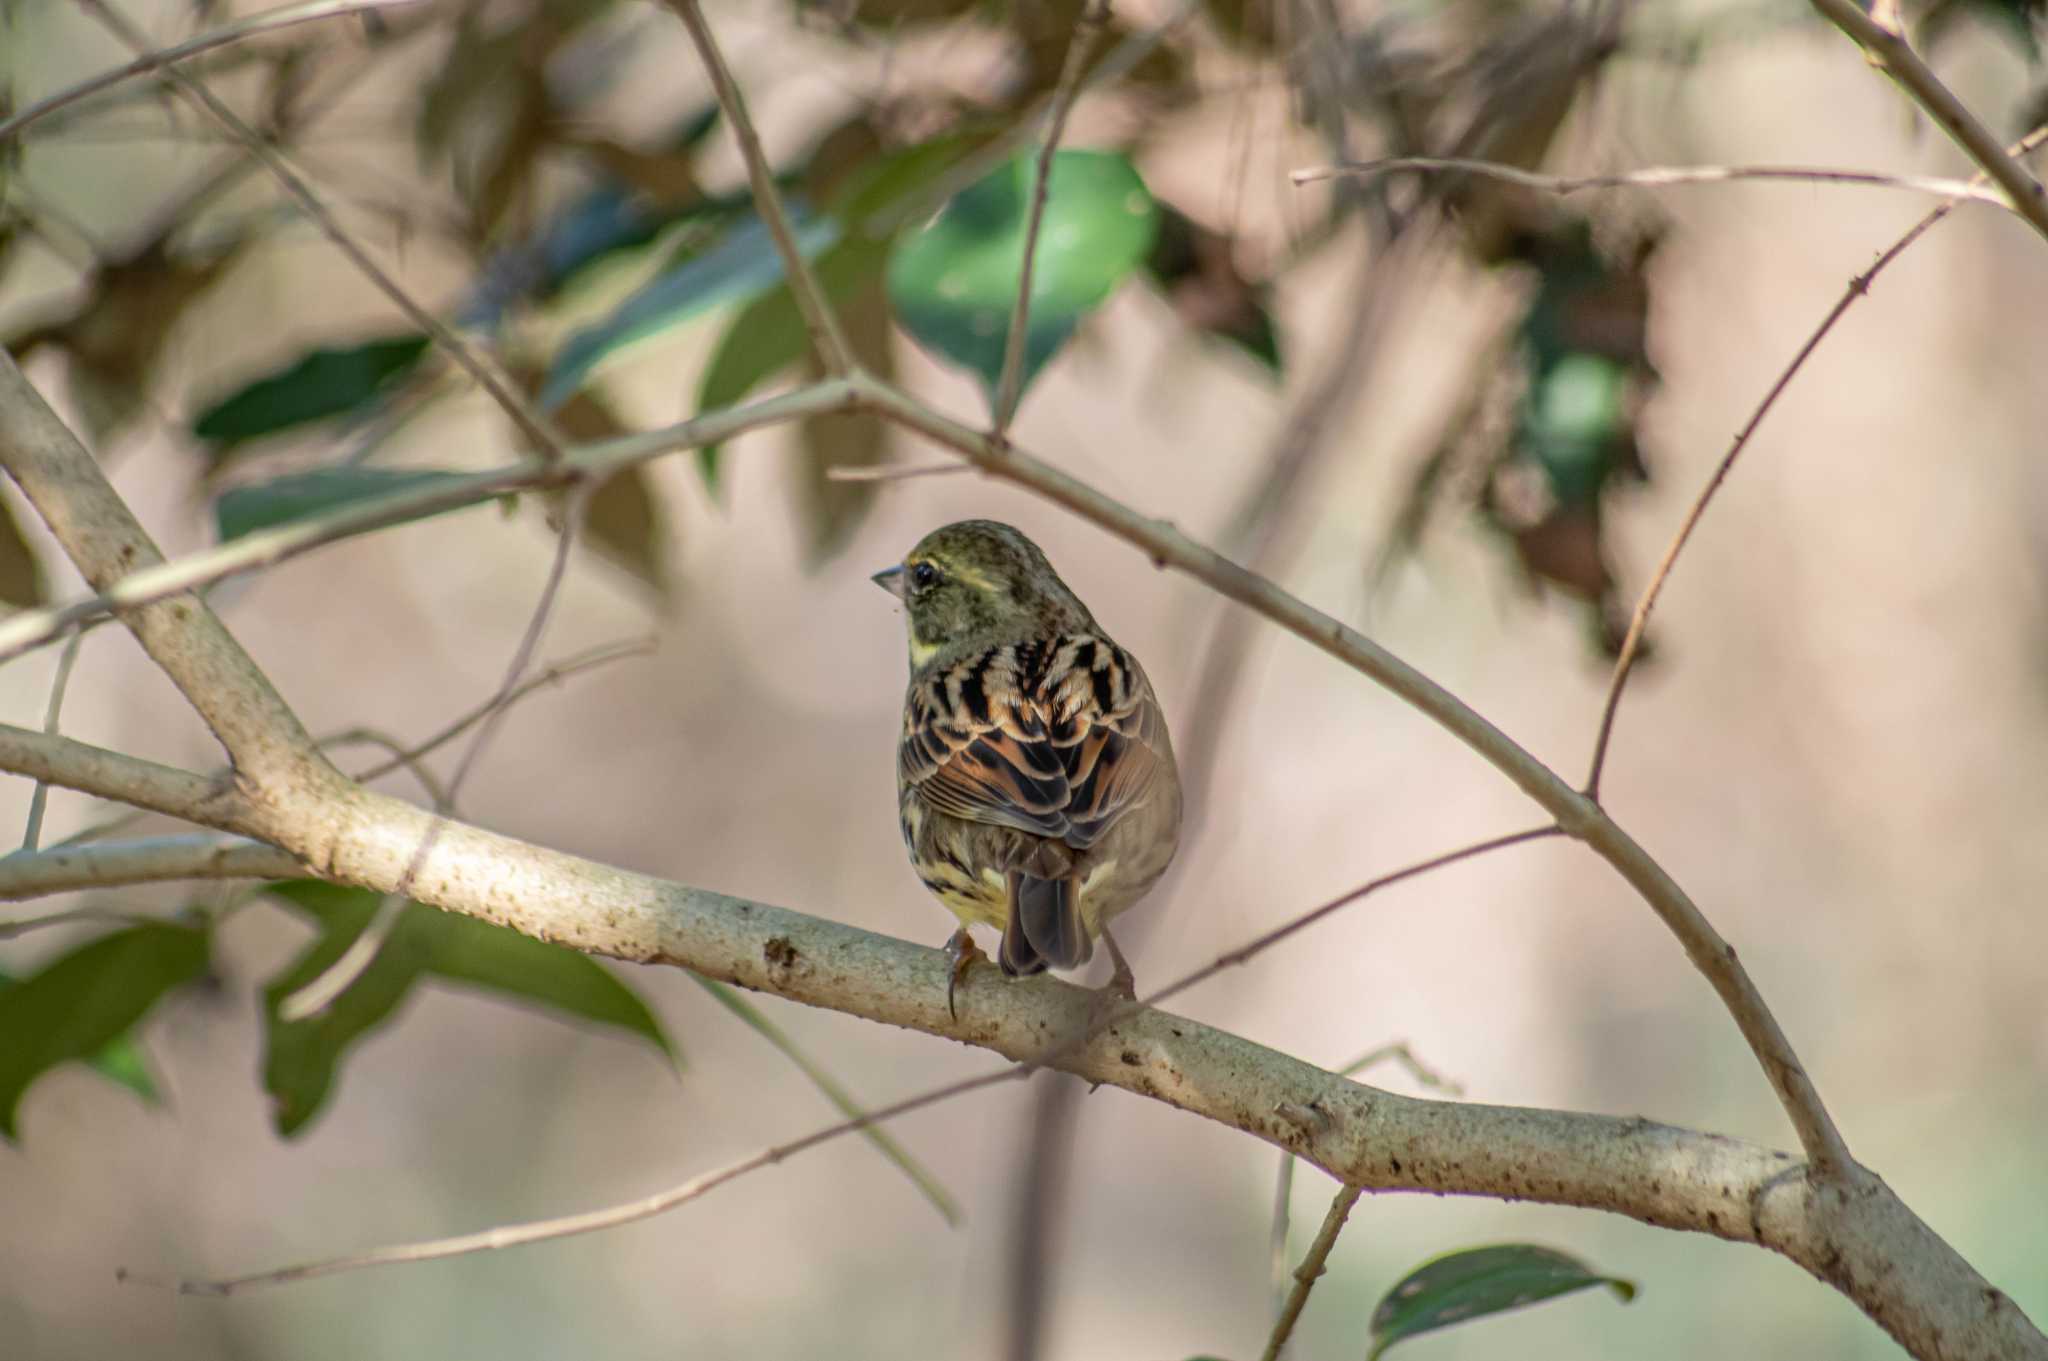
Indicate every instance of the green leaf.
{"type": "Point", "coordinates": [954, 284]}
{"type": "Point", "coordinates": [303, 1057]}
{"type": "Point", "coordinates": [1476, 1282]}
{"type": "Point", "coordinates": [81, 1004]}
{"type": "Point", "coordinates": [841, 1099]}
{"type": "Point", "coordinates": [300, 496]}
{"type": "Point", "coordinates": [320, 384]}
{"type": "Point", "coordinates": [739, 264]}
{"type": "Point", "coordinates": [624, 524]}
{"type": "Point", "coordinates": [767, 335]}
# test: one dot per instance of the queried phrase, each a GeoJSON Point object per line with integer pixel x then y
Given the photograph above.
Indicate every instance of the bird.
{"type": "Point", "coordinates": [1035, 780]}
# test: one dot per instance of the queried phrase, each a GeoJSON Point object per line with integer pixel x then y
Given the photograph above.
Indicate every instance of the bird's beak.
{"type": "Point", "coordinates": [890, 579]}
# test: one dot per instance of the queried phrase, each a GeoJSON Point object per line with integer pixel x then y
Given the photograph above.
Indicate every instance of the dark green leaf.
{"type": "Point", "coordinates": [320, 384]}
{"type": "Point", "coordinates": [298, 496]}
{"type": "Point", "coordinates": [624, 523]}
{"type": "Point", "coordinates": [841, 1099]}
{"type": "Point", "coordinates": [85, 1001]}
{"type": "Point", "coordinates": [954, 284]}
{"type": "Point", "coordinates": [304, 1056]}
{"type": "Point", "coordinates": [1476, 1282]}
{"type": "Point", "coordinates": [21, 576]}
{"type": "Point", "coordinates": [120, 1062]}
{"type": "Point", "coordinates": [739, 264]}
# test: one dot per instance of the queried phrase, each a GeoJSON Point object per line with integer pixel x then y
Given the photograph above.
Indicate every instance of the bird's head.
{"type": "Point", "coordinates": [978, 583]}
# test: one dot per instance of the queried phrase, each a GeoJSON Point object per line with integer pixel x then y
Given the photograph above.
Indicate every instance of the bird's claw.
{"type": "Point", "coordinates": [962, 953]}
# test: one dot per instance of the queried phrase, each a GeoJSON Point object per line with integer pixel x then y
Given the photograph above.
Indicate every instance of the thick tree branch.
{"type": "Point", "coordinates": [1850, 1231]}
{"type": "Point", "coordinates": [60, 478]}
{"type": "Point", "coordinates": [1888, 48]}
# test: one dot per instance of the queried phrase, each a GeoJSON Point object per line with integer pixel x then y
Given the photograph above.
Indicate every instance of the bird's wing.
{"type": "Point", "coordinates": [1058, 740]}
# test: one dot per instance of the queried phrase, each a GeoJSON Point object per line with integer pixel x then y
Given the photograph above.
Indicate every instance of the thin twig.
{"type": "Point", "coordinates": [270, 546]}
{"type": "Point", "coordinates": [1663, 177]}
{"type": "Point", "coordinates": [1890, 50]}
{"type": "Point", "coordinates": [320, 992]}
{"type": "Point", "coordinates": [834, 355]}
{"type": "Point", "coordinates": [269, 21]}
{"type": "Point", "coordinates": [551, 674]}
{"type": "Point", "coordinates": [465, 355]}
{"type": "Point", "coordinates": [1632, 641]}
{"type": "Point", "coordinates": [1093, 19]}
{"type": "Point", "coordinates": [590, 1221]}
{"type": "Point", "coordinates": [41, 797]}
{"type": "Point", "coordinates": [146, 860]}
{"type": "Point", "coordinates": [1311, 1269]}
{"type": "Point", "coordinates": [436, 792]}
{"type": "Point", "coordinates": [21, 926]}
{"type": "Point", "coordinates": [891, 472]}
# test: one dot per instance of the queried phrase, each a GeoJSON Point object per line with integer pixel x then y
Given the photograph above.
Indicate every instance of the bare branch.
{"type": "Point", "coordinates": [1311, 1269]}
{"type": "Point", "coordinates": [269, 21]}
{"type": "Point", "coordinates": [464, 354]}
{"type": "Point", "coordinates": [1093, 19]}
{"type": "Point", "coordinates": [40, 799]}
{"type": "Point", "coordinates": [834, 355]}
{"type": "Point", "coordinates": [1632, 641]}
{"type": "Point", "coordinates": [1576, 815]}
{"type": "Point", "coordinates": [146, 860]}
{"type": "Point", "coordinates": [157, 582]}
{"type": "Point", "coordinates": [184, 637]}
{"type": "Point", "coordinates": [1888, 48]}
{"type": "Point", "coordinates": [890, 472]}
{"type": "Point", "coordinates": [126, 779]}
{"type": "Point", "coordinates": [1662, 177]}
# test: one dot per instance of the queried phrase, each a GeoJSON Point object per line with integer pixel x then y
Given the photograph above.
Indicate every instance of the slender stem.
{"type": "Point", "coordinates": [1662, 177]}
{"type": "Point", "coordinates": [269, 21]}
{"type": "Point", "coordinates": [1889, 49]}
{"type": "Point", "coordinates": [40, 799]}
{"type": "Point", "coordinates": [146, 860]}
{"type": "Point", "coordinates": [267, 547]}
{"type": "Point", "coordinates": [834, 355]}
{"type": "Point", "coordinates": [1093, 19]}
{"type": "Point", "coordinates": [465, 355]}
{"type": "Point", "coordinates": [1632, 641]}
{"type": "Point", "coordinates": [1311, 1269]}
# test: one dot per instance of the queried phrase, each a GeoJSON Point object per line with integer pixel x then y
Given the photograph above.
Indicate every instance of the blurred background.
{"type": "Point", "coordinates": [1465, 419]}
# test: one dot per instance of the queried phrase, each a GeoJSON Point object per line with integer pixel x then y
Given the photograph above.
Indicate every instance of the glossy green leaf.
{"type": "Point", "coordinates": [841, 1099]}
{"type": "Point", "coordinates": [319, 384]}
{"type": "Point", "coordinates": [81, 1004]}
{"type": "Point", "coordinates": [303, 1057]}
{"type": "Point", "coordinates": [739, 264]}
{"type": "Point", "coordinates": [299, 496]}
{"type": "Point", "coordinates": [1471, 1284]}
{"type": "Point", "coordinates": [954, 284]}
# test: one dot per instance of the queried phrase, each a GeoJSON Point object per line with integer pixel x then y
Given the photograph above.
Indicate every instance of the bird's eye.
{"type": "Point", "coordinates": [923, 576]}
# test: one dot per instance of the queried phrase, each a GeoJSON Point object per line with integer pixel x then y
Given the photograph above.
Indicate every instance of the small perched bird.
{"type": "Point", "coordinates": [1035, 780]}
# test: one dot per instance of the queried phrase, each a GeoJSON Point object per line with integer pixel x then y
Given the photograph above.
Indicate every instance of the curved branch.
{"type": "Point", "coordinates": [145, 860]}
{"type": "Point", "coordinates": [1577, 815]}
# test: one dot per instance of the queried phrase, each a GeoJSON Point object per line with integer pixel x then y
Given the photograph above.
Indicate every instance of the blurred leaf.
{"type": "Point", "coordinates": [319, 384]}
{"type": "Point", "coordinates": [831, 509]}
{"type": "Point", "coordinates": [841, 1099]}
{"type": "Point", "coordinates": [954, 284]}
{"type": "Point", "coordinates": [299, 496]}
{"type": "Point", "coordinates": [80, 1005]}
{"type": "Point", "coordinates": [120, 1061]}
{"type": "Point", "coordinates": [740, 263]}
{"type": "Point", "coordinates": [2018, 22]}
{"type": "Point", "coordinates": [21, 576]}
{"type": "Point", "coordinates": [1194, 268]}
{"type": "Point", "coordinates": [303, 1057]}
{"type": "Point", "coordinates": [768, 335]}
{"type": "Point", "coordinates": [1476, 1282]}
{"type": "Point", "coordinates": [623, 522]}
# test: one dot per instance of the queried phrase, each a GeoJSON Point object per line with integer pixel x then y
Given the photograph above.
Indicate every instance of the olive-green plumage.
{"type": "Point", "coordinates": [1035, 780]}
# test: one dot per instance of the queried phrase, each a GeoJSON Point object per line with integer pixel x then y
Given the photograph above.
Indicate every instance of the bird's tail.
{"type": "Point", "coordinates": [1045, 926]}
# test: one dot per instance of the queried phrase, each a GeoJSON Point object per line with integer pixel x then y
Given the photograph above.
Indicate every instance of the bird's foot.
{"type": "Point", "coordinates": [1122, 982]}
{"type": "Point", "coordinates": [963, 953]}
